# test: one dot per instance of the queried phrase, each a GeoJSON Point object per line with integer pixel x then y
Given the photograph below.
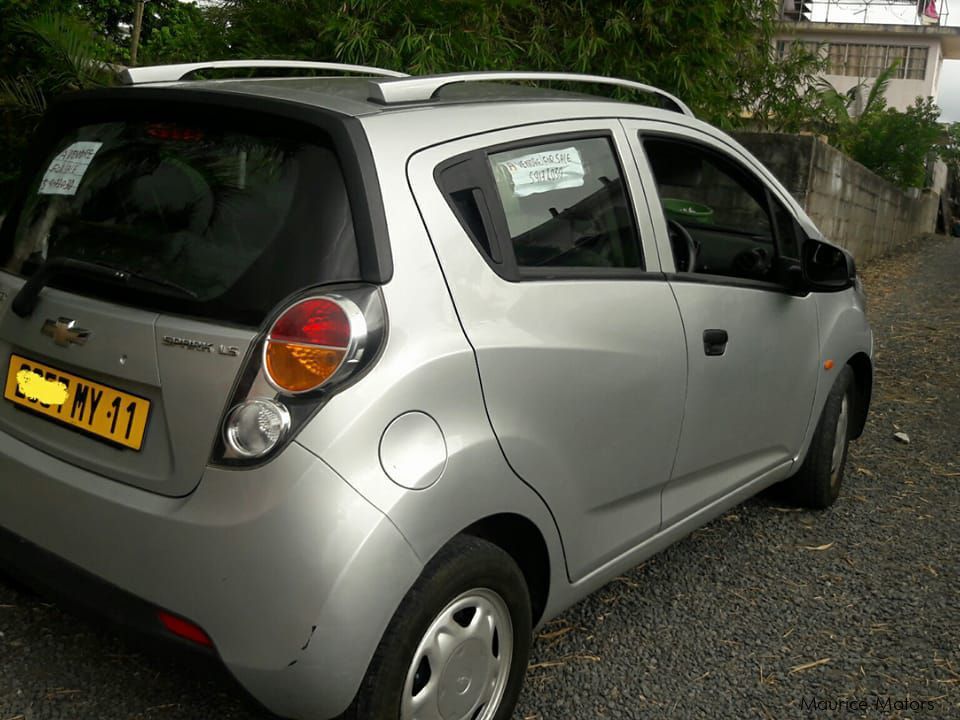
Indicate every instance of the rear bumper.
{"type": "Point", "coordinates": [290, 572]}
{"type": "Point", "coordinates": [75, 588]}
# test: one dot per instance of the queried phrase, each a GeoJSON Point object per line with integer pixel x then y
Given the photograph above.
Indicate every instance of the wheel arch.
{"type": "Point", "coordinates": [863, 390]}
{"type": "Point", "coordinates": [520, 538]}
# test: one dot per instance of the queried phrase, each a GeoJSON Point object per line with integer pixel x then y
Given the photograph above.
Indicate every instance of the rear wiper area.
{"type": "Point", "coordinates": [129, 275]}
{"type": "Point", "coordinates": [26, 300]}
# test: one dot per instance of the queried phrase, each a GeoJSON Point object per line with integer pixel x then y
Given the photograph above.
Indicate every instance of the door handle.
{"type": "Point", "coordinates": [714, 342]}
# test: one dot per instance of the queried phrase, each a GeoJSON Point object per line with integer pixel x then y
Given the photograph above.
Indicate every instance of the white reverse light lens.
{"type": "Point", "coordinates": [255, 427]}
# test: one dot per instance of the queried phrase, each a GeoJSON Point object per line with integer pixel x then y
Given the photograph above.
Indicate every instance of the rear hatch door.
{"type": "Point", "coordinates": [200, 222]}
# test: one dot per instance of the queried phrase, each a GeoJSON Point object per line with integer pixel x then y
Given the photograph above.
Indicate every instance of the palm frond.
{"type": "Point", "coordinates": [875, 98]}
{"type": "Point", "coordinates": [22, 94]}
{"type": "Point", "coordinates": [71, 47]}
{"type": "Point", "coordinates": [836, 103]}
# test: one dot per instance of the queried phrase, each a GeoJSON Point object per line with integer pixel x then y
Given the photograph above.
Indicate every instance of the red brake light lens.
{"type": "Point", "coordinates": [184, 628]}
{"type": "Point", "coordinates": [307, 345]}
{"type": "Point", "coordinates": [317, 321]}
{"type": "Point", "coordinates": [163, 131]}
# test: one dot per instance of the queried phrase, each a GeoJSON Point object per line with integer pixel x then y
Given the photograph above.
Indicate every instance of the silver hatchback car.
{"type": "Point", "coordinates": [355, 381]}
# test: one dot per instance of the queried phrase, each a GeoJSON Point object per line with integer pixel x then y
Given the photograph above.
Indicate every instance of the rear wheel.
{"type": "Point", "coordinates": [817, 483]}
{"type": "Point", "coordinates": [457, 647]}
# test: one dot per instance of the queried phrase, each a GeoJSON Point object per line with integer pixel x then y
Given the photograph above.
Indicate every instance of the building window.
{"type": "Point", "coordinates": [876, 59]}
{"type": "Point", "coordinates": [916, 64]}
{"type": "Point", "coordinates": [861, 60]}
{"type": "Point", "coordinates": [865, 61]}
{"type": "Point", "coordinates": [898, 54]}
{"type": "Point", "coordinates": [785, 47]}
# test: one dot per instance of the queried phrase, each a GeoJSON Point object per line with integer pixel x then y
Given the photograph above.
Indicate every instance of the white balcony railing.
{"type": "Point", "coordinates": [874, 12]}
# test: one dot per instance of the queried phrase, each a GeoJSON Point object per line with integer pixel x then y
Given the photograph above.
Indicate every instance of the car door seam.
{"type": "Point", "coordinates": [686, 391]}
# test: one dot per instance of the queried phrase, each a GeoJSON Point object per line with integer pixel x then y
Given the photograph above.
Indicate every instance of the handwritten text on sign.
{"type": "Point", "coordinates": [66, 170]}
{"type": "Point", "coordinates": [545, 171]}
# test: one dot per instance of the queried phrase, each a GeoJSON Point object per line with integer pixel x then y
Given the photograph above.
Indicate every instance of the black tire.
{"type": "Point", "coordinates": [817, 483]}
{"type": "Point", "coordinates": [466, 563]}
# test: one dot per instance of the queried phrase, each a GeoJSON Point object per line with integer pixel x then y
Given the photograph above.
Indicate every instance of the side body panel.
{"type": "Point", "coordinates": [844, 332]}
{"type": "Point", "coordinates": [426, 367]}
{"type": "Point", "coordinates": [746, 410]}
{"type": "Point", "coordinates": [583, 378]}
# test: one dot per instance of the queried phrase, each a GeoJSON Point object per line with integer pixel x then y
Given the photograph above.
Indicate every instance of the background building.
{"type": "Point", "coordinates": [861, 39]}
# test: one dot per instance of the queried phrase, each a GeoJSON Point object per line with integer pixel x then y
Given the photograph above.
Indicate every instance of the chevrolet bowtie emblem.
{"type": "Point", "coordinates": [65, 331]}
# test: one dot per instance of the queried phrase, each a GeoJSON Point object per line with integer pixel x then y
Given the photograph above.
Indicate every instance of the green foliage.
{"type": "Point", "coordinates": [841, 112]}
{"type": "Point", "coordinates": [172, 31]}
{"type": "Point", "coordinates": [69, 54]}
{"type": "Point", "coordinates": [181, 32]}
{"type": "Point", "coordinates": [715, 54]}
{"type": "Point", "coordinates": [950, 146]}
{"type": "Point", "coordinates": [45, 51]}
{"type": "Point", "coordinates": [895, 145]}
{"type": "Point", "coordinates": [782, 93]}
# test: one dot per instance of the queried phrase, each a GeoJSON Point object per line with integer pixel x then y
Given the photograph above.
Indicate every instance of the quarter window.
{"type": "Point", "coordinates": [789, 233]}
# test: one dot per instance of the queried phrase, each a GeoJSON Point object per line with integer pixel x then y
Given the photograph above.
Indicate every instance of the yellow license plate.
{"type": "Point", "coordinates": [75, 401]}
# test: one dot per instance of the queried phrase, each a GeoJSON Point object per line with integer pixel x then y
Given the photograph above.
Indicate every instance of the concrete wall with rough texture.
{"type": "Point", "coordinates": [852, 207]}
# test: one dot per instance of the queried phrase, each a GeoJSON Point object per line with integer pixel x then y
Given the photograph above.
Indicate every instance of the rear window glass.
{"type": "Point", "coordinates": [227, 219]}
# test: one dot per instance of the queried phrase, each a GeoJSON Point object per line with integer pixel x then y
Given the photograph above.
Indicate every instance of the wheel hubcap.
{"type": "Point", "coordinates": [461, 666]}
{"type": "Point", "coordinates": [839, 441]}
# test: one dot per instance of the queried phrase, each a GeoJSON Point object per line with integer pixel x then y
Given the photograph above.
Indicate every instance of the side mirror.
{"type": "Point", "coordinates": [826, 268]}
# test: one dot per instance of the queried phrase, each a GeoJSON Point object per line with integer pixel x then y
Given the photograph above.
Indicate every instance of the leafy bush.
{"type": "Point", "coordinates": [718, 55]}
{"type": "Point", "coordinates": [43, 54]}
{"type": "Point", "coordinates": [897, 145]}
{"type": "Point", "coordinates": [715, 54]}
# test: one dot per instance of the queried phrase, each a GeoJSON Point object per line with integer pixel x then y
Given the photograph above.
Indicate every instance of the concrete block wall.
{"type": "Point", "coordinates": [852, 206]}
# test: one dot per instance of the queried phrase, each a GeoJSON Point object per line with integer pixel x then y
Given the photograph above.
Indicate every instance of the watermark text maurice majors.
{"type": "Point", "coordinates": [877, 704]}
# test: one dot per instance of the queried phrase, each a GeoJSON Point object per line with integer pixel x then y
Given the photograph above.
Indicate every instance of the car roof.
{"type": "Point", "coordinates": [350, 96]}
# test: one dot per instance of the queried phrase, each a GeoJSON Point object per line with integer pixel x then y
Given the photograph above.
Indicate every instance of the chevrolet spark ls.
{"type": "Point", "coordinates": [355, 381]}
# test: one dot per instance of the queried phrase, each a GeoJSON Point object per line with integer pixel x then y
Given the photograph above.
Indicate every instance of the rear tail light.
{"type": "Point", "coordinates": [254, 427]}
{"type": "Point", "coordinates": [314, 346]}
{"type": "Point", "coordinates": [311, 341]}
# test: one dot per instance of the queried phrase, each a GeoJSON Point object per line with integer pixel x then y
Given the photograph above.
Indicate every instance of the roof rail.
{"type": "Point", "coordinates": [422, 88]}
{"type": "Point", "coordinates": [172, 73]}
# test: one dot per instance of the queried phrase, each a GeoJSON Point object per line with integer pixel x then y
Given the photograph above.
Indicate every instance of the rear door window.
{"type": "Point", "coordinates": [227, 217]}
{"type": "Point", "coordinates": [553, 207]}
{"type": "Point", "coordinates": [565, 205]}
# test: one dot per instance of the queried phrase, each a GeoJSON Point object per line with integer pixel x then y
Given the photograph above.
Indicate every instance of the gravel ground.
{"type": "Point", "coordinates": [758, 615]}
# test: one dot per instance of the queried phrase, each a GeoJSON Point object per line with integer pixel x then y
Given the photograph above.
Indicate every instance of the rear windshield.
{"type": "Point", "coordinates": [216, 219]}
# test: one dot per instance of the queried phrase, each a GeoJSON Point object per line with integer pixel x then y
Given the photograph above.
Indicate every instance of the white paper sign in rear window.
{"type": "Point", "coordinates": [545, 171]}
{"type": "Point", "coordinates": [67, 169]}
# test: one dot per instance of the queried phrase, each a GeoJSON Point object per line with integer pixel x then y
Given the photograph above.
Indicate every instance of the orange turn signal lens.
{"type": "Point", "coordinates": [298, 368]}
{"type": "Point", "coordinates": [307, 344]}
